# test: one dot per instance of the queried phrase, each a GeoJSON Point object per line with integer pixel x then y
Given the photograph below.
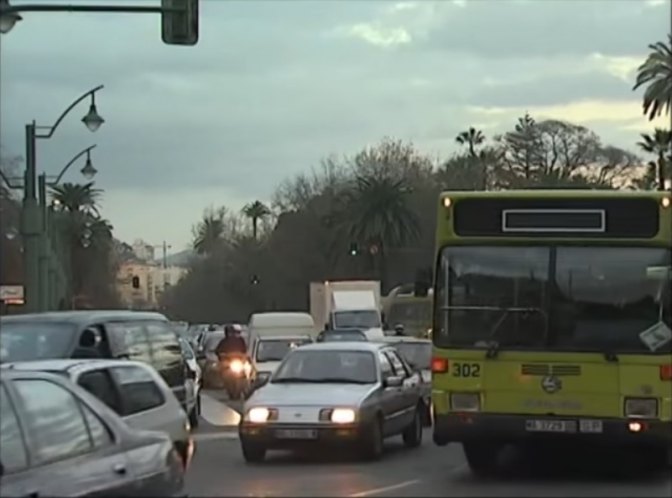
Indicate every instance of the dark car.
{"type": "Point", "coordinates": [56, 439]}
{"type": "Point", "coordinates": [141, 336]}
{"type": "Point", "coordinates": [347, 335]}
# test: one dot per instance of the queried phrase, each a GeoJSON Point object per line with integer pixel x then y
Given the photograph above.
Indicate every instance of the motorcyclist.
{"type": "Point", "coordinates": [233, 342]}
{"type": "Point", "coordinates": [399, 329]}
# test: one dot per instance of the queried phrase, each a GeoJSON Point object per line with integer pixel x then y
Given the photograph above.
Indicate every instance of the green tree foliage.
{"type": "Point", "coordinates": [89, 247]}
{"type": "Point", "coordinates": [384, 200]}
{"type": "Point", "coordinates": [656, 74]}
{"type": "Point", "coordinates": [658, 144]}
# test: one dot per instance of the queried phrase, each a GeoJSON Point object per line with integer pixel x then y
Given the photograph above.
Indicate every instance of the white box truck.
{"type": "Point", "coordinates": [347, 304]}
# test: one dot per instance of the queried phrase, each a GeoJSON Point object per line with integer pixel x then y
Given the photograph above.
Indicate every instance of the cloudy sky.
{"type": "Point", "coordinates": [273, 86]}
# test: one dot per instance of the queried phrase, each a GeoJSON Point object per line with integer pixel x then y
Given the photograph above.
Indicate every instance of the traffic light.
{"type": "Point", "coordinates": [254, 280]}
{"type": "Point", "coordinates": [179, 22]}
{"type": "Point", "coordinates": [354, 249]}
{"type": "Point", "coordinates": [135, 282]}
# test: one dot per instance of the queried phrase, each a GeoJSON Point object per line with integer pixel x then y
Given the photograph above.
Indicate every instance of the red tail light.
{"type": "Point", "coordinates": [666, 372]}
{"type": "Point", "coordinates": [439, 365]}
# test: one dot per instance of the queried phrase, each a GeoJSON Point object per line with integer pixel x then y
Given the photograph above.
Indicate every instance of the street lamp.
{"type": "Point", "coordinates": [88, 171]}
{"type": "Point", "coordinates": [8, 20]}
{"type": "Point", "coordinates": [32, 227]}
{"type": "Point", "coordinates": [93, 120]}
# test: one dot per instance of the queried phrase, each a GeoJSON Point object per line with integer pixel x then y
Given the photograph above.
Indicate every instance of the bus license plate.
{"type": "Point", "coordinates": [592, 426]}
{"type": "Point", "coordinates": [296, 434]}
{"type": "Point", "coordinates": [550, 426]}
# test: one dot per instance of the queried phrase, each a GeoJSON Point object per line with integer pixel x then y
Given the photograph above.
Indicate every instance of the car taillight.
{"type": "Point", "coordinates": [666, 372]}
{"type": "Point", "coordinates": [439, 365]}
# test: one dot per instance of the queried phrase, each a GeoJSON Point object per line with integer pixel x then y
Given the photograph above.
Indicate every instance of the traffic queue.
{"type": "Point", "coordinates": [106, 402]}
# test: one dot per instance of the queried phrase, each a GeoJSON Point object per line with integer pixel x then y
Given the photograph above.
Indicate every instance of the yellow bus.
{"type": "Point", "coordinates": [552, 322]}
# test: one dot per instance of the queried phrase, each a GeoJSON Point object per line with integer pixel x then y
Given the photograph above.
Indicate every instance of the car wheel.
{"type": "Point", "coordinates": [253, 453]}
{"type": "Point", "coordinates": [412, 435]}
{"type": "Point", "coordinates": [193, 416]}
{"type": "Point", "coordinates": [482, 458]}
{"type": "Point", "coordinates": [373, 441]}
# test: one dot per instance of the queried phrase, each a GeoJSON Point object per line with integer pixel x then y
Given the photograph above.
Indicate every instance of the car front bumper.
{"type": "Point", "coordinates": [454, 427]}
{"type": "Point", "coordinates": [269, 435]}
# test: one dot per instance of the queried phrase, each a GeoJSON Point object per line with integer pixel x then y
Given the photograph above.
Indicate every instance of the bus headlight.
{"type": "Point", "coordinates": [641, 407]}
{"type": "Point", "coordinates": [465, 402]}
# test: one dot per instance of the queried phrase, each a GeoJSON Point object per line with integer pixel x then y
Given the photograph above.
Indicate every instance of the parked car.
{"type": "Point", "coordinates": [345, 393]}
{"type": "Point", "coordinates": [194, 383]}
{"type": "Point", "coordinates": [132, 389]}
{"type": "Point", "coordinates": [56, 439]}
{"type": "Point", "coordinates": [134, 335]}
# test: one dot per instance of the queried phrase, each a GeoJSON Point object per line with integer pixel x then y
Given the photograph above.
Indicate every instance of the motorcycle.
{"type": "Point", "coordinates": [236, 373]}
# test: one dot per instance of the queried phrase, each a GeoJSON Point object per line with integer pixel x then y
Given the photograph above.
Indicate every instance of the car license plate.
{"type": "Point", "coordinates": [592, 426]}
{"type": "Point", "coordinates": [550, 426]}
{"type": "Point", "coordinates": [296, 434]}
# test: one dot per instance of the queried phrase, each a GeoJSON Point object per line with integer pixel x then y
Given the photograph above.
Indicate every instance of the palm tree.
{"type": "Point", "coordinates": [656, 73]}
{"type": "Point", "coordinates": [256, 211]}
{"type": "Point", "coordinates": [209, 232]}
{"type": "Point", "coordinates": [659, 144]}
{"type": "Point", "coordinates": [471, 138]}
{"type": "Point", "coordinates": [74, 197]}
{"type": "Point", "coordinates": [377, 215]}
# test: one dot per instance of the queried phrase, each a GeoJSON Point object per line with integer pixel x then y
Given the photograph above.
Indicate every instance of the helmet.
{"type": "Point", "coordinates": [232, 329]}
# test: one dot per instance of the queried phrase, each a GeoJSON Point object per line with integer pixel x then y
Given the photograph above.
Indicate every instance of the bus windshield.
{"type": "Point", "coordinates": [601, 299]}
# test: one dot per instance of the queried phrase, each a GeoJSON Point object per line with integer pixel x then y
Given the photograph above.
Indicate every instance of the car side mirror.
{"type": "Point", "coordinates": [393, 381]}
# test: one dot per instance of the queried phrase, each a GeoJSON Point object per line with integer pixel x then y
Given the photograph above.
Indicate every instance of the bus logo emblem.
{"type": "Point", "coordinates": [551, 384]}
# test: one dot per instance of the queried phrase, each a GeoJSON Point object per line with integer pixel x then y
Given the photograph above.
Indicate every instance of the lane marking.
{"type": "Point", "coordinates": [213, 436]}
{"type": "Point", "coordinates": [385, 489]}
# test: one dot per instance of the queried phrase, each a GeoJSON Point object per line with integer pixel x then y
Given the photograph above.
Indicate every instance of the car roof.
{"type": "Point", "coordinates": [344, 346]}
{"type": "Point", "coordinates": [84, 316]}
{"type": "Point", "coordinates": [65, 365]}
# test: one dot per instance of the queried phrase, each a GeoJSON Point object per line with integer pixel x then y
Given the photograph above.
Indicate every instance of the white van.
{"type": "Point", "coordinates": [272, 335]}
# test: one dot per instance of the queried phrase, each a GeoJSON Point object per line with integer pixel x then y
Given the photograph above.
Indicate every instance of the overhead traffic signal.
{"type": "Point", "coordinates": [179, 22]}
{"type": "Point", "coordinates": [254, 280]}
{"type": "Point", "coordinates": [354, 249]}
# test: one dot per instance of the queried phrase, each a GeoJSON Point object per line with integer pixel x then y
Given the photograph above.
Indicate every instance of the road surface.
{"type": "Point", "coordinates": [218, 469]}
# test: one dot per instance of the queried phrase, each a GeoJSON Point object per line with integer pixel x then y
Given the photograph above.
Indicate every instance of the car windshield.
{"type": "Point", "coordinates": [357, 319]}
{"type": "Point", "coordinates": [604, 299]}
{"type": "Point", "coordinates": [24, 341]}
{"type": "Point", "coordinates": [340, 367]}
{"type": "Point", "coordinates": [277, 349]}
{"type": "Point", "coordinates": [418, 354]}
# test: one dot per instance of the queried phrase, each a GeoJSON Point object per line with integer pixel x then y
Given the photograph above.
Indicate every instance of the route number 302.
{"type": "Point", "coordinates": [466, 370]}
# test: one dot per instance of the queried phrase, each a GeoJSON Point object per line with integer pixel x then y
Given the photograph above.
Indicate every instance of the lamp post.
{"type": "Point", "coordinates": [52, 276]}
{"type": "Point", "coordinates": [31, 226]}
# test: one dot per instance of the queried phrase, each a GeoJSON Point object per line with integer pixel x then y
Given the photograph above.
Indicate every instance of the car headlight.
{"type": "Point", "coordinates": [338, 415]}
{"type": "Point", "coordinates": [465, 402]}
{"type": "Point", "coordinates": [259, 415]}
{"type": "Point", "coordinates": [641, 407]}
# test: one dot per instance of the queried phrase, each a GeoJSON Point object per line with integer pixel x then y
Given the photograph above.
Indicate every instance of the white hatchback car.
{"type": "Point", "coordinates": [132, 389]}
